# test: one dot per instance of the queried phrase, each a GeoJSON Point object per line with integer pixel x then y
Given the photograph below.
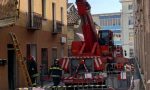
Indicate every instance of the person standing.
{"type": "Point", "coordinates": [32, 69]}
{"type": "Point", "coordinates": [55, 72]}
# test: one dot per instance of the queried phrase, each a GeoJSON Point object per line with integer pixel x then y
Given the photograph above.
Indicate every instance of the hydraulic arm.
{"type": "Point", "coordinates": [88, 27]}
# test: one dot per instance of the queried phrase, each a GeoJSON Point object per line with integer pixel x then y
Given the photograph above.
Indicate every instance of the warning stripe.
{"type": "Point", "coordinates": [85, 68]}
{"type": "Point", "coordinates": [70, 77]}
{"type": "Point", "coordinates": [99, 60]}
{"type": "Point", "coordinates": [67, 63]}
{"type": "Point", "coordinates": [96, 63]}
{"type": "Point", "coordinates": [63, 63]}
{"type": "Point", "coordinates": [128, 67]}
{"type": "Point", "coordinates": [66, 78]}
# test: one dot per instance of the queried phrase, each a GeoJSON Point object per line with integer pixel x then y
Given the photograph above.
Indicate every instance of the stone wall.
{"type": "Point", "coordinates": [142, 35]}
{"type": "Point", "coordinates": [7, 8]}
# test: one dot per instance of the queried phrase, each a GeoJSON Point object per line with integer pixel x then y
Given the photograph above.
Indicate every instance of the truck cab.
{"type": "Point", "coordinates": [105, 40]}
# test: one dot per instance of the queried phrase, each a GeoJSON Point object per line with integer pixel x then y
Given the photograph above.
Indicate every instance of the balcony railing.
{"type": "Point", "coordinates": [58, 28]}
{"type": "Point", "coordinates": [34, 21]}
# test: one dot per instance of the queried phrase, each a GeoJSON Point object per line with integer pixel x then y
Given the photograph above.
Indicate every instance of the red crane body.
{"type": "Point", "coordinates": [88, 27]}
{"type": "Point", "coordinates": [90, 46]}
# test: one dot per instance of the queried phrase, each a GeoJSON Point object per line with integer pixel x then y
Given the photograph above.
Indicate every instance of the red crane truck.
{"type": "Point", "coordinates": [91, 57]}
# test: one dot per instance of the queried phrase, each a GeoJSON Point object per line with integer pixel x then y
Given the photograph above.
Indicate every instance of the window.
{"type": "Point", "coordinates": [119, 22]}
{"type": "Point", "coordinates": [105, 22]}
{"type": "Point", "coordinates": [108, 22]}
{"type": "Point", "coordinates": [104, 38]}
{"type": "Point", "coordinates": [130, 22]}
{"type": "Point", "coordinates": [131, 52]}
{"type": "Point", "coordinates": [34, 21]}
{"type": "Point", "coordinates": [44, 59]}
{"type": "Point", "coordinates": [30, 10]}
{"type": "Point", "coordinates": [62, 52]}
{"type": "Point", "coordinates": [102, 22]}
{"type": "Point", "coordinates": [62, 12]}
{"type": "Point", "coordinates": [131, 34]}
{"type": "Point", "coordinates": [30, 5]}
{"type": "Point", "coordinates": [54, 17]}
{"type": "Point", "coordinates": [113, 21]}
{"type": "Point", "coordinates": [125, 53]}
{"type": "Point", "coordinates": [130, 7]}
{"type": "Point", "coordinates": [54, 54]}
{"type": "Point", "coordinates": [31, 50]}
{"type": "Point", "coordinates": [44, 9]}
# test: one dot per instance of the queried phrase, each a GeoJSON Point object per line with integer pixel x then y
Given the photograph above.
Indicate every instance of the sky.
{"type": "Point", "coordinates": [103, 6]}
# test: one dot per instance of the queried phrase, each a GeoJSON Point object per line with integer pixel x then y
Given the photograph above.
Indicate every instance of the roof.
{"type": "Point", "coordinates": [69, 5]}
{"type": "Point", "coordinates": [72, 15]}
{"type": "Point", "coordinates": [72, 18]}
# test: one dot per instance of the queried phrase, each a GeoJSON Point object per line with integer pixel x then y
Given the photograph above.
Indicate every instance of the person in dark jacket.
{"type": "Point", "coordinates": [32, 69]}
{"type": "Point", "coordinates": [55, 72]}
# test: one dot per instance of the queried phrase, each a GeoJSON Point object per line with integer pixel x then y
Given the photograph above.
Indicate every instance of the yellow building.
{"type": "Point", "coordinates": [40, 26]}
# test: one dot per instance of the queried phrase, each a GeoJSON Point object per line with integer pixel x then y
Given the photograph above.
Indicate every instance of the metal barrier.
{"type": "Point", "coordinates": [142, 85]}
{"type": "Point", "coordinates": [71, 87]}
{"type": "Point", "coordinates": [111, 80]}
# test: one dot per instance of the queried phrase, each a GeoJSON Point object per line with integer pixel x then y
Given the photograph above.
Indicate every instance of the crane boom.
{"type": "Point", "coordinates": [88, 27]}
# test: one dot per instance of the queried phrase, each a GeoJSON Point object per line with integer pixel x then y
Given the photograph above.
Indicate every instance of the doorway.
{"type": "Point", "coordinates": [11, 67]}
{"type": "Point", "coordinates": [44, 59]}
{"type": "Point", "coordinates": [54, 54]}
{"type": "Point", "coordinates": [32, 51]}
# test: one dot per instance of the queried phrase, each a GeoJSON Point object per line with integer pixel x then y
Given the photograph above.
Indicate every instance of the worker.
{"type": "Point", "coordinates": [32, 69]}
{"type": "Point", "coordinates": [55, 72]}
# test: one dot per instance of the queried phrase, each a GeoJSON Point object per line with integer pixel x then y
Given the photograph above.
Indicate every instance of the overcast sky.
{"type": "Point", "coordinates": [103, 6]}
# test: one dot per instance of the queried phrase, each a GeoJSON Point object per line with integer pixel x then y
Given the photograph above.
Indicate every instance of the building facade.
{"type": "Point", "coordinates": [73, 25]}
{"type": "Point", "coordinates": [127, 28]}
{"type": "Point", "coordinates": [110, 21]}
{"type": "Point", "coordinates": [7, 15]}
{"type": "Point", "coordinates": [142, 41]}
{"type": "Point", "coordinates": [41, 27]}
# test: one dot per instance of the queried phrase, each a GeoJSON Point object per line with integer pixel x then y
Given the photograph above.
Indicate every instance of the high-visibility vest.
{"type": "Point", "coordinates": [35, 75]}
{"type": "Point", "coordinates": [55, 71]}
{"type": "Point", "coordinates": [55, 68]}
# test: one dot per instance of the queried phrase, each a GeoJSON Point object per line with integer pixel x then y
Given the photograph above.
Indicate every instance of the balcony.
{"type": "Point", "coordinates": [57, 27]}
{"type": "Point", "coordinates": [34, 21]}
{"type": "Point", "coordinates": [7, 21]}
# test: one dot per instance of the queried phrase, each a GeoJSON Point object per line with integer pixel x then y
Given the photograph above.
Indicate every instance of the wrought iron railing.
{"type": "Point", "coordinates": [57, 28]}
{"type": "Point", "coordinates": [139, 74]}
{"type": "Point", "coordinates": [34, 21]}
